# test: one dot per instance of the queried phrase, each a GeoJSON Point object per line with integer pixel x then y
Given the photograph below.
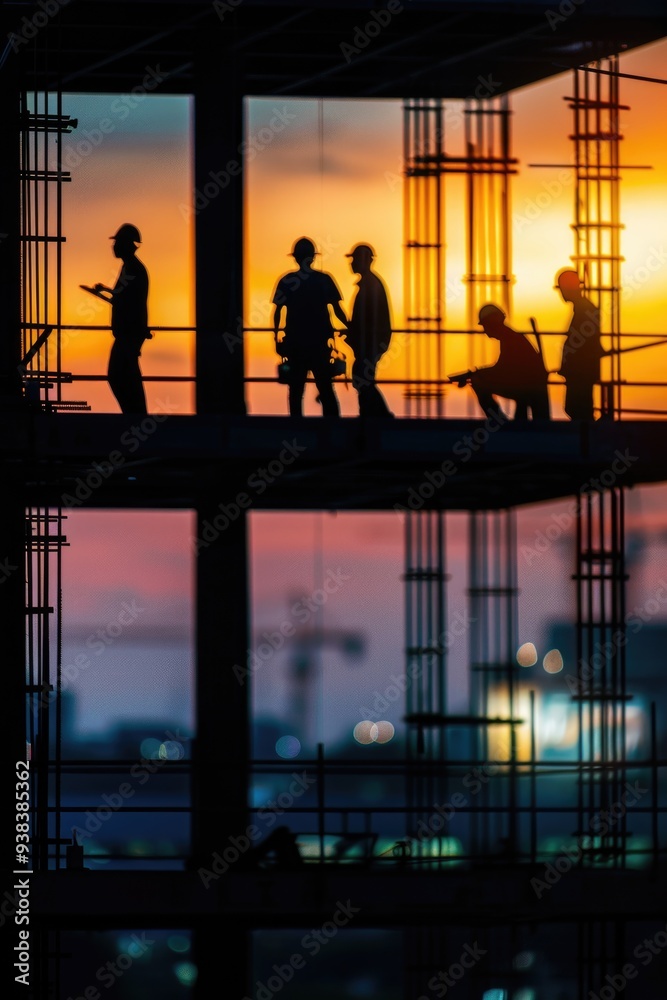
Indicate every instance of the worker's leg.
{"type": "Point", "coordinates": [371, 400]}
{"type": "Point", "coordinates": [124, 377]}
{"type": "Point", "coordinates": [579, 400]}
{"type": "Point", "coordinates": [487, 402]}
{"type": "Point", "coordinates": [297, 383]}
{"type": "Point", "coordinates": [539, 405]}
{"type": "Point", "coordinates": [321, 370]}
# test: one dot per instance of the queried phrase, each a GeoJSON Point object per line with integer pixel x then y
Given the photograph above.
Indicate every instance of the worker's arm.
{"type": "Point", "coordinates": [277, 313]}
{"type": "Point", "coordinates": [339, 313]}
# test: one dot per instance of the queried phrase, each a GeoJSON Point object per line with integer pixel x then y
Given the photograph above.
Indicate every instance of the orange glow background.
{"type": "Point", "coordinates": [333, 172]}
{"type": "Point", "coordinates": [340, 190]}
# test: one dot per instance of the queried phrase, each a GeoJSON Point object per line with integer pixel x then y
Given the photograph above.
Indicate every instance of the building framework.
{"type": "Point", "coordinates": [443, 890]}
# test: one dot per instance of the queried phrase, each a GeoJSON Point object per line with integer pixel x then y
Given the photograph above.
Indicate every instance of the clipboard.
{"type": "Point", "coordinates": [93, 291]}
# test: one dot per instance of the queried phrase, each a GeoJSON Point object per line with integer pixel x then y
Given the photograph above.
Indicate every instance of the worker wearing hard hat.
{"type": "Point", "coordinates": [582, 350]}
{"type": "Point", "coordinates": [518, 374]}
{"type": "Point", "coordinates": [369, 331]}
{"type": "Point", "coordinates": [306, 295]}
{"type": "Point", "coordinates": [129, 321]}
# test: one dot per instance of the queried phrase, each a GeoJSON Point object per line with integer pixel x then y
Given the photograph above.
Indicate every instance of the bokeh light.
{"type": "Point", "coordinates": [96, 853]}
{"type": "Point", "coordinates": [150, 748]}
{"type": "Point", "coordinates": [367, 732]}
{"type": "Point", "coordinates": [362, 732]}
{"type": "Point", "coordinates": [186, 973]}
{"type": "Point", "coordinates": [288, 747]}
{"type": "Point", "coordinates": [553, 661]}
{"type": "Point", "coordinates": [526, 655]}
{"type": "Point", "coordinates": [382, 732]}
{"type": "Point", "coordinates": [171, 750]}
{"type": "Point", "coordinates": [178, 943]}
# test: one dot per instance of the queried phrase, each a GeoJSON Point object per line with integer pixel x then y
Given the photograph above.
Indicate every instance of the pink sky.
{"type": "Point", "coordinates": [296, 187]}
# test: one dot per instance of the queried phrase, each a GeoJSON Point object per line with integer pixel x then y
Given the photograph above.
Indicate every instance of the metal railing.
{"type": "Point", "coordinates": [412, 386]}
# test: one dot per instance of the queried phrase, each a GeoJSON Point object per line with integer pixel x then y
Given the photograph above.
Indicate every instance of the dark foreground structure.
{"type": "Point", "coordinates": [472, 892]}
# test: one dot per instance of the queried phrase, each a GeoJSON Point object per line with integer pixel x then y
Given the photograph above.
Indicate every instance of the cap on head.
{"type": "Point", "coordinates": [303, 249]}
{"type": "Point", "coordinates": [362, 250]}
{"type": "Point", "coordinates": [490, 313]}
{"type": "Point", "coordinates": [127, 234]}
{"type": "Point", "coordinates": [568, 280]}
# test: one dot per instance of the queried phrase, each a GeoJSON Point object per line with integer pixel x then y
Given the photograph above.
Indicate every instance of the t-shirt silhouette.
{"type": "Point", "coordinates": [307, 296]}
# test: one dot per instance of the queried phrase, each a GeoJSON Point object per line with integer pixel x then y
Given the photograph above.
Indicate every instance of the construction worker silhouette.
{"type": "Point", "coordinates": [518, 374]}
{"type": "Point", "coordinates": [582, 350]}
{"type": "Point", "coordinates": [306, 295]}
{"type": "Point", "coordinates": [129, 321]}
{"type": "Point", "coordinates": [369, 331]}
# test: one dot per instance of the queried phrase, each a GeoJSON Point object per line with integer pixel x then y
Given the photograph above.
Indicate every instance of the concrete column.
{"type": "Point", "coordinates": [12, 709]}
{"type": "Point", "coordinates": [10, 268]}
{"type": "Point", "coordinates": [220, 779]}
{"type": "Point", "coordinates": [218, 216]}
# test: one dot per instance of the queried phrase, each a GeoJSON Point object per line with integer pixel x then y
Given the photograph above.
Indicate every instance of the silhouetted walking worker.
{"type": "Point", "coordinates": [129, 321]}
{"type": "Point", "coordinates": [369, 331]}
{"type": "Point", "coordinates": [518, 374]}
{"type": "Point", "coordinates": [582, 350]}
{"type": "Point", "coordinates": [306, 295]}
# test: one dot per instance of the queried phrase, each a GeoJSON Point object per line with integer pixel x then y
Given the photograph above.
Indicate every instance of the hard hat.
{"type": "Point", "coordinates": [568, 279]}
{"type": "Point", "coordinates": [127, 234]}
{"type": "Point", "coordinates": [303, 249]}
{"type": "Point", "coordinates": [361, 249]}
{"type": "Point", "coordinates": [490, 312]}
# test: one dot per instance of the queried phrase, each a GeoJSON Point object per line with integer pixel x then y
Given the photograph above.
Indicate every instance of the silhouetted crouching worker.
{"type": "Point", "coordinates": [582, 350]}
{"type": "Point", "coordinates": [306, 295]}
{"type": "Point", "coordinates": [369, 331]}
{"type": "Point", "coordinates": [519, 373]}
{"type": "Point", "coordinates": [129, 322]}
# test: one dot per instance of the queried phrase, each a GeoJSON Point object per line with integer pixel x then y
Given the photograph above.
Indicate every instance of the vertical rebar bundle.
{"type": "Point", "coordinates": [423, 264]}
{"type": "Point", "coordinates": [597, 223]}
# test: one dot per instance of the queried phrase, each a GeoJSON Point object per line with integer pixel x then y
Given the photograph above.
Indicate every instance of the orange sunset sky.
{"type": "Point", "coordinates": [347, 189]}
{"type": "Point", "coordinates": [340, 190]}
